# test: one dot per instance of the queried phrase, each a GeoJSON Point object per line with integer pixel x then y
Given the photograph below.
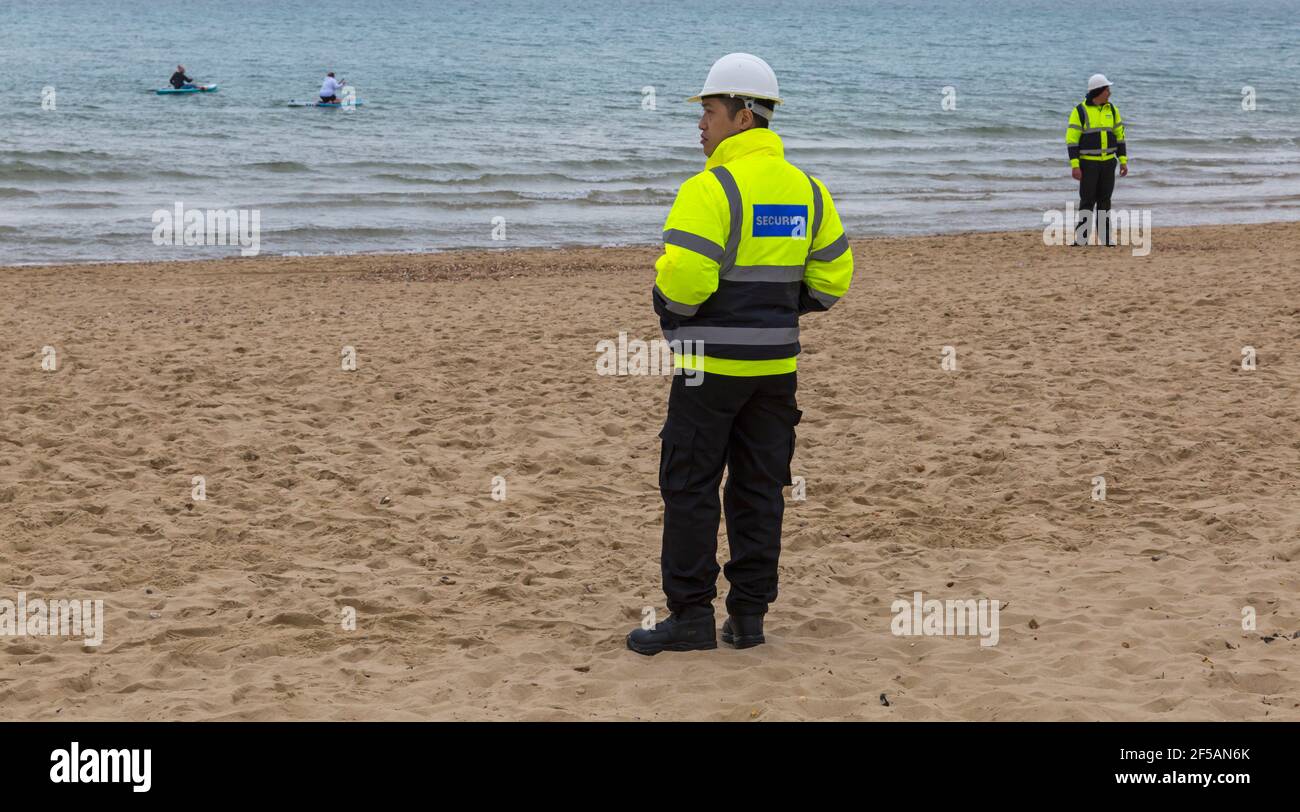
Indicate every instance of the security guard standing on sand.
{"type": "Point", "coordinates": [1094, 139]}
{"type": "Point", "coordinates": [750, 244]}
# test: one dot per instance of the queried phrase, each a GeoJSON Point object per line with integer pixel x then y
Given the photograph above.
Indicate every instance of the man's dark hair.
{"type": "Point", "coordinates": [1092, 94]}
{"type": "Point", "coordinates": [735, 104]}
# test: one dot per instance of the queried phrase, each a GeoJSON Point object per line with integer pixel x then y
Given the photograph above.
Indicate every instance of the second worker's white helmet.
{"type": "Point", "coordinates": [743, 75]}
{"type": "Point", "coordinates": [1097, 80]}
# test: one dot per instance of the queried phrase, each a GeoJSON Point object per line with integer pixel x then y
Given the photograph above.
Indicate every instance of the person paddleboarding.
{"type": "Point", "coordinates": [329, 89]}
{"type": "Point", "coordinates": [179, 80]}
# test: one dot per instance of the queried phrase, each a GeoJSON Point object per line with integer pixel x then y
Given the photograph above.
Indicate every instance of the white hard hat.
{"type": "Point", "coordinates": [1097, 80]}
{"type": "Point", "coordinates": [742, 75]}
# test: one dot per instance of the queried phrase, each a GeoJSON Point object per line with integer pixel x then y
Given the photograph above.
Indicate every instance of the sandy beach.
{"type": "Point", "coordinates": [371, 490]}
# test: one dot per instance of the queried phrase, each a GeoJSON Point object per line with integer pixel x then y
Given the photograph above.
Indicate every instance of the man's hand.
{"type": "Point", "coordinates": [1076, 173]}
{"type": "Point", "coordinates": [1123, 170]}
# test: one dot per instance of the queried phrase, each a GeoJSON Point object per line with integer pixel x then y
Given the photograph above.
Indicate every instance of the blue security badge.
{"type": "Point", "coordinates": [781, 221]}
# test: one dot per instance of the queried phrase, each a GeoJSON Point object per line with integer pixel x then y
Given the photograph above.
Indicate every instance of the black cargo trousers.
{"type": "Point", "coordinates": [747, 425]}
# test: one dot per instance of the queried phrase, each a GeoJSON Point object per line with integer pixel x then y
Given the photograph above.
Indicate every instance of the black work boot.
{"type": "Point", "coordinates": [692, 631]}
{"type": "Point", "coordinates": [743, 631]}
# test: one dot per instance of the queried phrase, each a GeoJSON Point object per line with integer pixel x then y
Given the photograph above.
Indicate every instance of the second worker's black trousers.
{"type": "Point", "coordinates": [745, 424]}
{"type": "Point", "coordinates": [1095, 189]}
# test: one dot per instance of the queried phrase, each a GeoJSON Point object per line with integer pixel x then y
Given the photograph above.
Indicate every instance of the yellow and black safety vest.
{"type": "Point", "coordinates": [1095, 133]}
{"type": "Point", "coordinates": [751, 243]}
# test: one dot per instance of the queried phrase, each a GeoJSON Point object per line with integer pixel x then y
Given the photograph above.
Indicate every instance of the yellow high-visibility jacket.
{"type": "Point", "coordinates": [750, 244]}
{"type": "Point", "coordinates": [1095, 133]}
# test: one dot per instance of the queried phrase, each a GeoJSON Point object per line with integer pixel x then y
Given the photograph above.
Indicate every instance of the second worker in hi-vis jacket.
{"type": "Point", "coordinates": [1094, 141]}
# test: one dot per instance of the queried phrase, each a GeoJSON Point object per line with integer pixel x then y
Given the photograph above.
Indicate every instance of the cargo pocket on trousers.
{"type": "Point", "coordinates": [675, 456]}
{"type": "Point", "coordinates": [796, 416]}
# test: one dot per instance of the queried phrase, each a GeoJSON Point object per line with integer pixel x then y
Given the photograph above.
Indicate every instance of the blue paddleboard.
{"type": "Point", "coordinates": [167, 91]}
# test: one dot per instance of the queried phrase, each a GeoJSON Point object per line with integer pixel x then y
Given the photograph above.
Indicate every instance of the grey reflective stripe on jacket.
{"type": "Point", "coordinates": [737, 211]}
{"type": "Point", "coordinates": [763, 273]}
{"type": "Point", "coordinates": [693, 242]}
{"type": "Point", "coordinates": [831, 252]}
{"type": "Point", "coordinates": [826, 254]}
{"type": "Point", "coordinates": [827, 299]}
{"type": "Point", "coordinates": [817, 214]}
{"type": "Point", "coordinates": [748, 336]}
